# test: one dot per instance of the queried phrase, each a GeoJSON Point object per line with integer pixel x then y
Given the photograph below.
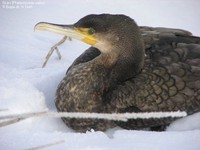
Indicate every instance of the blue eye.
{"type": "Point", "coordinates": [91, 31]}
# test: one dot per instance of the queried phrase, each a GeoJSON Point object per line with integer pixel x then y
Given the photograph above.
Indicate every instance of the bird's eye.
{"type": "Point", "coordinates": [91, 31]}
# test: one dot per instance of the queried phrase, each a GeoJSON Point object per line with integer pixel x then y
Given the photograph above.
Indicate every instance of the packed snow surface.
{"type": "Point", "coordinates": [26, 87]}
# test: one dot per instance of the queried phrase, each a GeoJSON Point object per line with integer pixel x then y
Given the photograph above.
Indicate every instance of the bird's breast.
{"type": "Point", "coordinates": [82, 89]}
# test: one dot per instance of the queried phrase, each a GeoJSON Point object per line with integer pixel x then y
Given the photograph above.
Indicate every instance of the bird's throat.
{"type": "Point", "coordinates": [108, 60]}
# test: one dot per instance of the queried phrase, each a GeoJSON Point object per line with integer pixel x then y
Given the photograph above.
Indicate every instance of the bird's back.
{"type": "Point", "coordinates": [169, 81]}
{"type": "Point", "coordinates": [173, 58]}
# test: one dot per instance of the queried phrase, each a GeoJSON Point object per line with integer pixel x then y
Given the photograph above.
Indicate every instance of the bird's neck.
{"type": "Point", "coordinates": [108, 60]}
{"type": "Point", "coordinates": [122, 67]}
{"type": "Point", "coordinates": [126, 67]}
{"type": "Point", "coordinates": [124, 59]}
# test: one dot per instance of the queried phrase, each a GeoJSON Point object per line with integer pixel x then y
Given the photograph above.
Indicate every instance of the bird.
{"type": "Point", "coordinates": [128, 68]}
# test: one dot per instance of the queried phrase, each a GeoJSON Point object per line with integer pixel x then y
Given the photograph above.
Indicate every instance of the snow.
{"type": "Point", "coordinates": [26, 87]}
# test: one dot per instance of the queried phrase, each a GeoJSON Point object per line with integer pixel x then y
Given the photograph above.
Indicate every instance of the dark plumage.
{"type": "Point", "coordinates": [115, 75]}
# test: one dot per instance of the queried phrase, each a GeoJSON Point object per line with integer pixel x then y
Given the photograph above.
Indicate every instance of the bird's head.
{"type": "Point", "coordinates": [105, 32]}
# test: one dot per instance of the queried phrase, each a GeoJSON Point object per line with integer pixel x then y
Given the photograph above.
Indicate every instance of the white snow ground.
{"type": "Point", "coordinates": [26, 87]}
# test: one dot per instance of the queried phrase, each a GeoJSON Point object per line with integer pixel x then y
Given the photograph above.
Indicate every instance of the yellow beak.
{"type": "Point", "coordinates": [68, 30]}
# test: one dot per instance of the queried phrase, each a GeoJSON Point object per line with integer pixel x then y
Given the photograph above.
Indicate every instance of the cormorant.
{"type": "Point", "coordinates": [128, 69]}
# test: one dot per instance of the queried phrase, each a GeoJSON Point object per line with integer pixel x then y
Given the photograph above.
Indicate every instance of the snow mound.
{"type": "Point", "coordinates": [18, 96]}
